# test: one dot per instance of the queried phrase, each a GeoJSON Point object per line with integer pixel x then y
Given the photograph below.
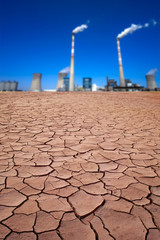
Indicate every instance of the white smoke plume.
{"type": "Point", "coordinates": [146, 25]}
{"type": "Point", "coordinates": [130, 30]}
{"type": "Point", "coordinates": [80, 28]}
{"type": "Point", "coordinates": [154, 22]}
{"type": "Point", "coordinates": [135, 27]}
{"type": "Point", "coordinates": [152, 71]}
{"type": "Point", "coordinates": [65, 70]}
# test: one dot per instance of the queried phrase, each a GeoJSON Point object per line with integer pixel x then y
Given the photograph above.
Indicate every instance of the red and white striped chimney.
{"type": "Point", "coordinates": [71, 80]}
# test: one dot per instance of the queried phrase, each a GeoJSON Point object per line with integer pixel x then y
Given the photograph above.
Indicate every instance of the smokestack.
{"type": "Point", "coordinates": [36, 83]}
{"type": "Point", "coordinates": [71, 81]}
{"type": "Point", "coordinates": [121, 75]}
{"type": "Point", "coordinates": [150, 77]}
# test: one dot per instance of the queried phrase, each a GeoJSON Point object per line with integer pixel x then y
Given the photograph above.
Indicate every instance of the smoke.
{"type": "Point", "coordinates": [130, 30]}
{"type": "Point", "coordinates": [154, 22]}
{"type": "Point", "coordinates": [135, 27]}
{"type": "Point", "coordinates": [152, 71]}
{"type": "Point", "coordinates": [65, 70]}
{"type": "Point", "coordinates": [80, 28]}
{"type": "Point", "coordinates": [146, 25]}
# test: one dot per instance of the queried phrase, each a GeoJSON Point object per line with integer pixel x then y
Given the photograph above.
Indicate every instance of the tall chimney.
{"type": "Point", "coordinates": [71, 80]}
{"type": "Point", "coordinates": [36, 82]}
{"type": "Point", "coordinates": [151, 84]}
{"type": "Point", "coordinates": [121, 75]}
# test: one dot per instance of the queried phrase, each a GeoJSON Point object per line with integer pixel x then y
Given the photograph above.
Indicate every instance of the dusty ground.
{"type": "Point", "coordinates": [80, 166]}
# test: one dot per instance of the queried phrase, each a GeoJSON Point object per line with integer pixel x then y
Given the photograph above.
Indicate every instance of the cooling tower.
{"type": "Point", "coordinates": [14, 86]}
{"type": "Point", "coordinates": [2, 86]}
{"type": "Point", "coordinates": [121, 75]}
{"type": "Point", "coordinates": [36, 82]}
{"type": "Point", "coordinates": [151, 84]}
{"type": "Point", "coordinates": [71, 80]}
{"type": "Point", "coordinates": [7, 86]}
{"type": "Point", "coordinates": [60, 81]}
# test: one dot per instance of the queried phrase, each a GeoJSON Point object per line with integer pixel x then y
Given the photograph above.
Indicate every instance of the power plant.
{"type": "Point", "coordinates": [71, 80]}
{"type": "Point", "coordinates": [151, 84]}
{"type": "Point", "coordinates": [67, 83]}
{"type": "Point", "coordinates": [8, 86]}
{"type": "Point", "coordinates": [124, 33]}
{"type": "Point", "coordinates": [150, 77]}
{"type": "Point", "coordinates": [61, 75]}
{"type": "Point", "coordinates": [121, 74]}
{"type": "Point", "coordinates": [36, 83]}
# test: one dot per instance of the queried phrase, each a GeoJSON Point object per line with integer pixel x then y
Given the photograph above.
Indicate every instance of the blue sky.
{"type": "Point", "coordinates": [35, 36]}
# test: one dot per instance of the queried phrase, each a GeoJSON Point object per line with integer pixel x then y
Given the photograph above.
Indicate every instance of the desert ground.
{"type": "Point", "coordinates": [80, 166]}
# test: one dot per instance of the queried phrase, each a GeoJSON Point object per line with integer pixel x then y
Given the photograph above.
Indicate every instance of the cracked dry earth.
{"type": "Point", "coordinates": [80, 166]}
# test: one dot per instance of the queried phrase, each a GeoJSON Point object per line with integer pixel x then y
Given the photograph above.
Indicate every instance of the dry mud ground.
{"type": "Point", "coordinates": [80, 166]}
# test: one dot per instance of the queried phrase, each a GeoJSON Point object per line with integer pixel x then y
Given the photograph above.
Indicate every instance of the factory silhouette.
{"type": "Point", "coordinates": [66, 83]}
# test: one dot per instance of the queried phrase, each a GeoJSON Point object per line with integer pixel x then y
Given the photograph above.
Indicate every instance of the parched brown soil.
{"type": "Point", "coordinates": [80, 166]}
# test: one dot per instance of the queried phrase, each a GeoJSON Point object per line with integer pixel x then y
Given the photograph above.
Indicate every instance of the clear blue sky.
{"type": "Point", "coordinates": [35, 36]}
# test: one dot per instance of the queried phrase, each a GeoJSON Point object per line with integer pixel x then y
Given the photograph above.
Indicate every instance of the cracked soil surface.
{"type": "Point", "coordinates": [80, 166]}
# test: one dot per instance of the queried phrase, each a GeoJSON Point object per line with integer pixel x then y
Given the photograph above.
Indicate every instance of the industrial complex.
{"type": "Point", "coordinates": [67, 83]}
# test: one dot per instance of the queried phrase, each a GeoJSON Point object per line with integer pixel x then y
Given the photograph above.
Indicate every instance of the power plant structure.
{"type": "Point", "coordinates": [36, 83]}
{"type": "Point", "coordinates": [121, 74]}
{"type": "Point", "coordinates": [61, 75]}
{"type": "Point", "coordinates": [71, 80]}
{"type": "Point", "coordinates": [151, 83]}
{"type": "Point", "coordinates": [8, 86]}
{"type": "Point", "coordinates": [87, 84]}
{"type": "Point", "coordinates": [2, 86]}
{"type": "Point", "coordinates": [14, 86]}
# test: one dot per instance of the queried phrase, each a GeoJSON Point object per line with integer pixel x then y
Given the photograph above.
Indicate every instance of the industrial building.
{"type": "Point", "coordinates": [8, 86]}
{"type": "Point", "coordinates": [65, 84]}
{"type": "Point", "coordinates": [129, 86]}
{"type": "Point", "coordinates": [87, 84]}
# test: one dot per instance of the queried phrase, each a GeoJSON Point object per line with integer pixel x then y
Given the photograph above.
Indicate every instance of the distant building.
{"type": "Point", "coordinates": [66, 84]}
{"type": "Point", "coordinates": [87, 84]}
{"type": "Point", "coordinates": [2, 86]}
{"type": "Point", "coordinates": [8, 86]}
{"type": "Point", "coordinates": [14, 86]}
{"type": "Point", "coordinates": [49, 90]}
{"type": "Point", "coordinates": [129, 86]}
{"type": "Point", "coordinates": [128, 83]}
{"type": "Point", "coordinates": [111, 84]}
{"type": "Point", "coordinates": [94, 87]}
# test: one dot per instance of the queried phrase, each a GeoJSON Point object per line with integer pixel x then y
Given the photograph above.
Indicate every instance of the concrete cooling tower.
{"type": "Point", "coordinates": [36, 83]}
{"type": "Point", "coordinates": [7, 86]}
{"type": "Point", "coordinates": [151, 84]}
{"type": "Point", "coordinates": [14, 86]}
{"type": "Point", "coordinates": [2, 86]}
{"type": "Point", "coordinates": [60, 81]}
{"type": "Point", "coordinates": [61, 75]}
